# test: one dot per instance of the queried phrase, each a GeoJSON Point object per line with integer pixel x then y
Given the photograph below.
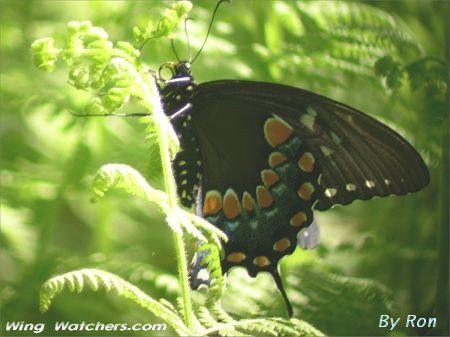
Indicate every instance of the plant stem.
{"type": "Point", "coordinates": [171, 190]}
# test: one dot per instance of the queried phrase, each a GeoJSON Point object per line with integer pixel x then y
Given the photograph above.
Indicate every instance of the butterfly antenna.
{"type": "Point", "coordinates": [174, 49]}
{"type": "Point", "coordinates": [132, 114]}
{"type": "Point", "coordinates": [209, 28]}
{"type": "Point", "coordinates": [187, 37]}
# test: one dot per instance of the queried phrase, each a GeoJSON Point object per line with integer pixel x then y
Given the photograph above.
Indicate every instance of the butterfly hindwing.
{"type": "Point", "coordinates": [249, 193]}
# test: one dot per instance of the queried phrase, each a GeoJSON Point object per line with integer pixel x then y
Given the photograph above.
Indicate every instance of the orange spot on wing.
{"type": "Point", "coordinates": [269, 177]}
{"type": "Point", "coordinates": [236, 257]}
{"type": "Point", "coordinates": [212, 203]}
{"type": "Point", "coordinates": [281, 245]}
{"type": "Point", "coordinates": [306, 162]}
{"type": "Point", "coordinates": [298, 219]}
{"type": "Point", "coordinates": [305, 191]}
{"type": "Point", "coordinates": [261, 261]}
{"type": "Point", "coordinates": [231, 205]}
{"type": "Point", "coordinates": [276, 158]}
{"type": "Point", "coordinates": [277, 131]}
{"type": "Point", "coordinates": [247, 202]}
{"type": "Point", "coordinates": [263, 197]}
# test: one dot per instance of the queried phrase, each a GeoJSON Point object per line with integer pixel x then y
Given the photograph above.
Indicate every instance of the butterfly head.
{"type": "Point", "coordinates": [183, 68]}
{"type": "Point", "coordinates": [170, 70]}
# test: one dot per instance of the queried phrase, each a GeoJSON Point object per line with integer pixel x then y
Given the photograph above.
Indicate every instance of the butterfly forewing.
{"type": "Point", "coordinates": [360, 158]}
{"type": "Point", "coordinates": [232, 143]}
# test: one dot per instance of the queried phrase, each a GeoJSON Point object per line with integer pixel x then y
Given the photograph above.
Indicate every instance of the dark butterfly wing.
{"type": "Point", "coordinates": [268, 154]}
{"type": "Point", "coordinates": [359, 157]}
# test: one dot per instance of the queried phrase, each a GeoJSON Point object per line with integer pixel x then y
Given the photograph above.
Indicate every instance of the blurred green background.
{"type": "Point", "coordinates": [48, 159]}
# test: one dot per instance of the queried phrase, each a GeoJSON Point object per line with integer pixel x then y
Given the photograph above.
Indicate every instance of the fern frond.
{"type": "Point", "coordinates": [165, 26]}
{"type": "Point", "coordinates": [359, 24]}
{"type": "Point", "coordinates": [131, 181]}
{"type": "Point", "coordinates": [205, 317]}
{"type": "Point", "coordinates": [217, 322]}
{"type": "Point", "coordinates": [95, 279]}
{"type": "Point", "coordinates": [211, 261]}
{"type": "Point", "coordinates": [318, 294]}
{"type": "Point", "coordinates": [220, 314]}
{"type": "Point", "coordinates": [336, 35]}
{"type": "Point", "coordinates": [125, 177]}
{"type": "Point", "coordinates": [264, 327]}
{"type": "Point", "coordinates": [215, 234]}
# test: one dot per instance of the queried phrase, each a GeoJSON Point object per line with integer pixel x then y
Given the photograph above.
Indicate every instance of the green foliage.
{"type": "Point", "coordinates": [260, 327]}
{"type": "Point", "coordinates": [211, 262]}
{"type": "Point", "coordinates": [214, 321]}
{"type": "Point", "coordinates": [76, 281]}
{"type": "Point", "coordinates": [336, 35]}
{"type": "Point", "coordinates": [322, 298]}
{"type": "Point", "coordinates": [95, 63]}
{"type": "Point", "coordinates": [427, 74]}
{"type": "Point", "coordinates": [166, 25]}
{"type": "Point", "coordinates": [123, 177]}
{"type": "Point", "coordinates": [127, 178]}
{"type": "Point", "coordinates": [360, 53]}
{"type": "Point", "coordinates": [330, 301]}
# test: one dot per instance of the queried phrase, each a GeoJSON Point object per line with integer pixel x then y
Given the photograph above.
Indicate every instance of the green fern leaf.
{"type": "Point", "coordinates": [318, 294]}
{"type": "Point", "coordinates": [217, 322]}
{"type": "Point", "coordinates": [95, 279]}
{"type": "Point", "coordinates": [125, 177]}
{"type": "Point", "coordinates": [359, 24]}
{"type": "Point", "coordinates": [264, 327]}
{"type": "Point", "coordinates": [336, 35]}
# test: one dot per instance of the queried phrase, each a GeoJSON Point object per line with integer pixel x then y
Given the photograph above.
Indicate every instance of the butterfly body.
{"type": "Point", "coordinates": [256, 158]}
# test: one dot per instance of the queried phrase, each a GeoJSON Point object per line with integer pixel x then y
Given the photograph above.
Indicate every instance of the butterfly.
{"type": "Point", "coordinates": [257, 158]}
